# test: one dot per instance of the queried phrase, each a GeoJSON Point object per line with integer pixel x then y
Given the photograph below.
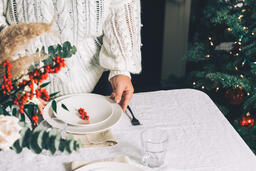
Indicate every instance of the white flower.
{"type": "Point", "coordinates": [9, 131]}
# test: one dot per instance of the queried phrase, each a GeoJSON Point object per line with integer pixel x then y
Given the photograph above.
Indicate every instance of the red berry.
{"type": "Point", "coordinates": [35, 118]}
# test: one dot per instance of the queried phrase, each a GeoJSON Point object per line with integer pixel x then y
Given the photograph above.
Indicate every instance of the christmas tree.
{"type": "Point", "coordinates": [223, 58]}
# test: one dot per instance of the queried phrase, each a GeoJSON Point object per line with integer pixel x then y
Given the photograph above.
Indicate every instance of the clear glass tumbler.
{"type": "Point", "coordinates": [154, 142]}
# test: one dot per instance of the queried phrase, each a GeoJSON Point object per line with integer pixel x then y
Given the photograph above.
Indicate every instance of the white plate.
{"type": "Point", "coordinates": [97, 107]}
{"type": "Point", "coordinates": [114, 118]}
{"type": "Point", "coordinates": [109, 166]}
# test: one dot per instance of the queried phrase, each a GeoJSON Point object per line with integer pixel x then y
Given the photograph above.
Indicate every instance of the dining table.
{"type": "Point", "coordinates": [200, 137]}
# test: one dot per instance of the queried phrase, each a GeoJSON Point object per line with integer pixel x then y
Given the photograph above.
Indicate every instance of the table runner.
{"type": "Point", "coordinates": [200, 138]}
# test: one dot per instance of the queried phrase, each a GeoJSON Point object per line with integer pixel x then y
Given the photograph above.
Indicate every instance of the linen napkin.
{"type": "Point", "coordinates": [78, 164]}
{"type": "Point", "coordinates": [101, 139]}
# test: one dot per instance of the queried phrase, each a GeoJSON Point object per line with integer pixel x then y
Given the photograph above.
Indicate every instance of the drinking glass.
{"type": "Point", "coordinates": [154, 142]}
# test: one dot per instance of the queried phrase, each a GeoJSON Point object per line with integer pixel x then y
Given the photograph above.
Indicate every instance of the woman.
{"type": "Point", "coordinates": [105, 32]}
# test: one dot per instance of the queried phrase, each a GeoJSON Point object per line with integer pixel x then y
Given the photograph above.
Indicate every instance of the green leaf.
{"type": "Point", "coordinates": [45, 84]}
{"type": "Point", "coordinates": [16, 146]}
{"type": "Point", "coordinates": [62, 145]}
{"type": "Point", "coordinates": [54, 106]}
{"type": "Point", "coordinates": [34, 146]}
{"type": "Point", "coordinates": [54, 141]}
{"type": "Point", "coordinates": [54, 94]}
{"type": "Point", "coordinates": [59, 50]}
{"type": "Point", "coordinates": [22, 117]}
{"type": "Point", "coordinates": [43, 50]}
{"type": "Point", "coordinates": [14, 112]}
{"type": "Point", "coordinates": [5, 111]}
{"type": "Point", "coordinates": [51, 145]}
{"type": "Point", "coordinates": [45, 139]}
{"type": "Point", "coordinates": [68, 146]}
{"type": "Point", "coordinates": [64, 107]}
{"type": "Point", "coordinates": [1, 110]}
{"type": "Point", "coordinates": [51, 51]}
{"type": "Point", "coordinates": [66, 45]}
{"type": "Point", "coordinates": [25, 137]}
{"type": "Point", "coordinates": [30, 110]}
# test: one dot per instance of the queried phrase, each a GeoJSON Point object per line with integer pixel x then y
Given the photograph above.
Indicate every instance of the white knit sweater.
{"type": "Point", "coordinates": [105, 32]}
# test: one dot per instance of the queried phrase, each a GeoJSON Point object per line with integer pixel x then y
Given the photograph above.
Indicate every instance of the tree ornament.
{"type": "Point", "coordinates": [235, 96]}
{"type": "Point", "coordinates": [247, 121]}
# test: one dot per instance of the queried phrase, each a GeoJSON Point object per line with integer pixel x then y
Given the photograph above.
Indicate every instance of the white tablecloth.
{"type": "Point", "coordinates": [200, 138]}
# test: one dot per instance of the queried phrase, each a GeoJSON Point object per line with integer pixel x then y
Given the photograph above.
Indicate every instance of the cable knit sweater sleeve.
{"type": "Point", "coordinates": [120, 52]}
{"type": "Point", "coordinates": [2, 9]}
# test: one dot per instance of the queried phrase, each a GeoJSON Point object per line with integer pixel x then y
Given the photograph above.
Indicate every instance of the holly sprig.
{"type": "Point", "coordinates": [14, 101]}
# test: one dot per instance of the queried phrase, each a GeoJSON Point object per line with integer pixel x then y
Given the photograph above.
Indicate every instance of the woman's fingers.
{"type": "Point", "coordinates": [41, 108]}
{"type": "Point", "coordinates": [43, 101]}
{"type": "Point", "coordinates": [41, 105]}
{"type": "Point", "coordinates": [122, 90]}
{"type": "Point", "coordinates": [127, 96]}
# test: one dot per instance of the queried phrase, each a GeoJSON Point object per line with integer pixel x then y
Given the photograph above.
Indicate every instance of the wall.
{"type": "Point", "coordinates": [152, 38]}
{"type": "Point", "coordinates": [177, 14]}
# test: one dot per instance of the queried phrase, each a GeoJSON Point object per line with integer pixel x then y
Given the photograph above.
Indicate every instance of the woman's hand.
{"type": "Point", "coordinates": [122, 90]}
{"type": "Point", "coordinates": [41, 105]}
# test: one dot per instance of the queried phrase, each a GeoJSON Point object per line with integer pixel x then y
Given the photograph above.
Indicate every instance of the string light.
{"type": "Point", "coordinates": [237, 54]}
{"type": "Point", "coordinates": [248, 114]}
{"type": "Point", "coordinates": [230, 52]}
{"type": "Point", "coordinates": [243, 63]}
{"type": "Point", "coordinates": [239, 43]}
{"type": "Point", "coordinates": [240, 17]}
{"type": "Point", "coordinates": [236, 68]}
{"type": "Point", "coordinates": [253, 33]}
{"type": "Point", "coordinates": [217, 89]}
{"type": "Point", "coordinates": [229, 29]}
{"type": "Point", "coordinates": [240, 49]}
{"type": "Point", "coordinates": [222, 79]}
{"type": "Point", "coordinates": [248, 94]}
{"type": "Point", "coordinates": [203, 87]}
{"type": "Point", "coordinates": [242, 76]}
{"type": "Point", "coordinates": [209, 38]}
{"type": "Point", "coordinates": [243, 10]}
{"type": "Point", "coordinates": [207, 56]}
{"type": "Point", "coordinates": [245, 28]}
{"type": "Point", "coordinates": [211, 43]}
{"type": "Point", "coordinates": [194, 83]}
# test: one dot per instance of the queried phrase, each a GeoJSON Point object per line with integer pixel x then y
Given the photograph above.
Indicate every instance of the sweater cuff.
{"type": "Point", "coordinates": [113, 73]}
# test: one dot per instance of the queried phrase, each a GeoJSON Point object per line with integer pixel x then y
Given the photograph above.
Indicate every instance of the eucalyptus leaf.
{"type": "Point", "coordinates": [14, 112]}
{"type": "Point", "coordinates": [54, 94]}
{"type": "Point", "coordinates": [45, 84]}
{"type": "Point", "coordinates": [25, 137]}
{"type": "Point", "coordinates": [62, 145]}
{"type": "Point", "coordinates": [34, 146]}
{"type": "Point", "coordinates": [54, 106]}
{"type": "Point", "coordinates": [68, 146]}
{"type": "Point", "coordinates": [51, 51]}
{"type": "Point", "coordinates": [64, 107]}
{"type": "Point", "coordinates": [16, 147]}
{"type": "Point", "coordinates": [22, 117]}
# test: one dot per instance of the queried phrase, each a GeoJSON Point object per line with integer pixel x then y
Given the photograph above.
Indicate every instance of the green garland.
{"type": "Point", "coordinates": [39, 139]}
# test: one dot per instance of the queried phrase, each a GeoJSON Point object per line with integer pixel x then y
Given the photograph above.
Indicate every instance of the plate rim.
{"type": "Point", "coordinates": [109, 164]}
{"type": "Point", "coordinates": [117, 113]}
{"type": "Point", "coordinates": [84, 125]}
